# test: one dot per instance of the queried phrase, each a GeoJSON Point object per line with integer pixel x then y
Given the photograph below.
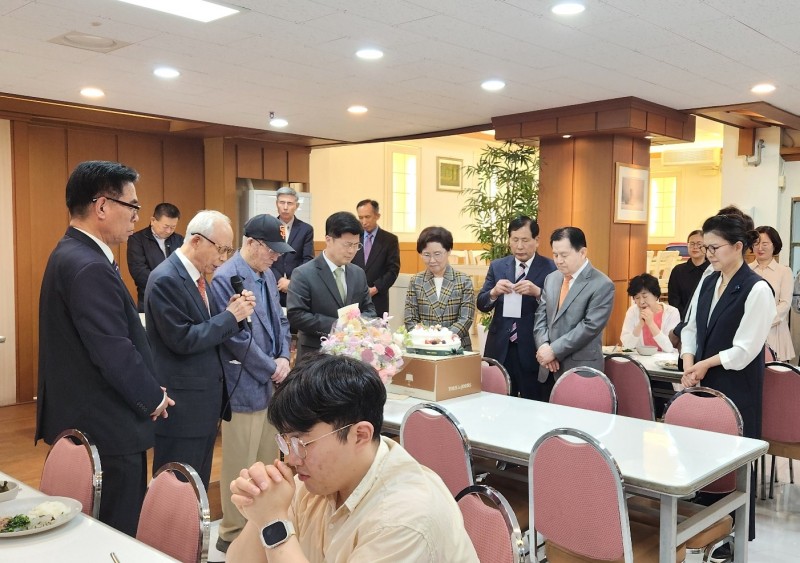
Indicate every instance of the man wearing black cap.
{"type": "Point", "coordinates": [253, 359]}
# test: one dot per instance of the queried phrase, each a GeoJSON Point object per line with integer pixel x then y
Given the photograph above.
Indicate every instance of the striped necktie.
{"type": "Point", "coordinates": [338, 273]}
{"type": "Point", "coordinates": [513, 336]}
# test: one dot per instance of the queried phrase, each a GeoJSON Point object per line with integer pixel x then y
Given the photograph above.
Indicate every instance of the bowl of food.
{"type": "Point", "coordinates": [8, 490]}
{"type": "Point", "coordinates": [646, 350]}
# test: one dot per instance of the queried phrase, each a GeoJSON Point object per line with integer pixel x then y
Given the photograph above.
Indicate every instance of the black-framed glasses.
{"type": "Point", "coordinates": [132, 206]}
{"type": "Point", "coordinates": [298, 446]}
{"type": "Point", "coordinates": [226, 250]}
{"type": "Point", "coordinates": [712, 250]}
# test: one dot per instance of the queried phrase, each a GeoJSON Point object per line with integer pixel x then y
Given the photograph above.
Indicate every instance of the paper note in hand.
{"type": "Point", "coordinates": [512, 305]}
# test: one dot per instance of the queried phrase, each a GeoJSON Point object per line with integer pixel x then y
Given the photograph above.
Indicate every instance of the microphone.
{"type": "Point", "coordinates": [238, 286]}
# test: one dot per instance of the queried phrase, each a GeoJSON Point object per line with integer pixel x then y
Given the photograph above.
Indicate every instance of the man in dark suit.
{"type": "Point", "coordinates": [149, 247]}
{"type": "Point", "coordinates": [185, 330]}
{"type": "Point", "coordinates": [96, 372]}
{"type": "Point", "coordinates": [574, 308]}
{"type": "Point", "coordinates": [510, 336]}
{"type": "Point", "coordinates": [299, 235]}
{"type": "Point", "coordinates": [328, 283]}
{"type": "Point", "coordinates": [379, 255]}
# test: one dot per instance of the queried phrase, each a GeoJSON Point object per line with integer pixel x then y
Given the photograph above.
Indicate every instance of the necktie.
{"type": "Point", "coordinates": [116, 268]}
{"type": "Point", "coordinates": [268, 306]}
{"type": "Point", "coordinates": [367, 246]}
{"type": "Point", "coordinates": [338, 273]}
{"type": "Point", "coordinates": [513, 336]}
{"type": "Point", "coordinates": [201, 287]}
{"type": "Point", "coordinates": [564, 290]}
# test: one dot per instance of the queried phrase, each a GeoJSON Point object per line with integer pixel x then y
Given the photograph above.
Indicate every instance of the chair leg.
{"type": "Point", "coordinates": [772, 477]}
{"type": "Point", "coordinates": [791, 472]}
{"type": "Point", "coordinates": [764, 477]}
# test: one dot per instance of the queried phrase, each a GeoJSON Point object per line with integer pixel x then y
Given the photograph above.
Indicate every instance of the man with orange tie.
{"type": "Point", "coordinates": [574, 308]}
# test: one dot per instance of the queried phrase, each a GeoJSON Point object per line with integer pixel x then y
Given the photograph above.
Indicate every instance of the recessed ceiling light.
{"type": "Point", "coordinates": [762, 88]}
{"type": "Point", "coordinates": [198, 10]}
{"type": "Point", "coordinates": [568, 8]}
{"type": "Point", "coordinates": [166, 72]}
{"type": "Point", "coordinates": [278, 122]}
{"type": "Point", "coordinates": [488, 132]}
{"type": "Point", "coordinates": [369, 54]}
{"type": "Point", "coordinates": [493, 85]}
{"type": "Point", "coordinates": [92, 92]}
{"type": "Point", "coordinates": [357, 109]}
{"type": "Point", "coordinates": [648, 136]}
{"type": "Point", "coordinates": [566, 136]}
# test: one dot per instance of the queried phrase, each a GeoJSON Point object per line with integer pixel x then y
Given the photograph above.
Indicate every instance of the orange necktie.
{"type": "Point", "coordinates": [564, 290]}
{"type": "Point", "coordinates": [201, 287]}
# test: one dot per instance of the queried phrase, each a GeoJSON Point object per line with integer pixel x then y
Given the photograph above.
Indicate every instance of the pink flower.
{"type": "Point", "coordinates": [353, 313]}
{"type": "Point", "coordinates": [367, 355]}
{"type": "Point", "coordinates": [389, 352]}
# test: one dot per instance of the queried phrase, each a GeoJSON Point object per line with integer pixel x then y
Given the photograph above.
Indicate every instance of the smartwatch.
{"type": "Point", "coordinates": [276, 532]}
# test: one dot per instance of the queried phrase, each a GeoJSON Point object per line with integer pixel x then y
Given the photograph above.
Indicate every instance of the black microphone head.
{"type": "Point", "coordinates": [238, 284]}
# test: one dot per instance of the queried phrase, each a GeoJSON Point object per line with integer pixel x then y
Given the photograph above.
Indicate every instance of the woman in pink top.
{"type": "Point", "coordinates": [648, 321]}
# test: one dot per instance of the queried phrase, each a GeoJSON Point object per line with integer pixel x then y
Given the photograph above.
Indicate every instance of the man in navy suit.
{"type": "Point", "coordinates": [253, 359]}
{"type": "Point", "coordinates": [379, 255]}
{"type": "Point", "coordinates": [185, 329]}
{"type": "Point", "coordinates": [149, 247]}
{"type": "Point", "coordinates": [510, 338]}
{"type": "Point", "coordinates": [96, 372]}
{"type": "Point", "coordinates": [299, 235]}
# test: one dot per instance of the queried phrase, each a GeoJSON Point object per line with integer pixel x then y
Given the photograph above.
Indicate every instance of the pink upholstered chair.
{"type": "Point", "coordinates": [780, 418]}
{"type": "Point", "coordinates": [435, 438]}
{"type": "Point", "coordinates": [72, 469]}
{"type": "Point", "coordinates": [175, 516]}
{"type": "Point", "coordinates": [585, 388]}
{"type": "Point", "coordinates": [632, 386]}
{"type": "Point", "coordinates": [577, 503]}
{"type": "Point", "coordinates": [494, 377]}
{"type": "Point", "coordinates": [491, 525]}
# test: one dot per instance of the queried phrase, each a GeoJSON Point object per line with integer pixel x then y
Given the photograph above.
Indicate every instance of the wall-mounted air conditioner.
{"type": "Point", "coordinates": [688, 157]}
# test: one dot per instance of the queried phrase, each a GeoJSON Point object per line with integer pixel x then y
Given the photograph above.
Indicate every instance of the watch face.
{"type": "Point", "coordinates": [275, 533]}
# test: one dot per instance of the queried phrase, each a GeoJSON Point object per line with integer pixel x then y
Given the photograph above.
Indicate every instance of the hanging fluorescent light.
{"type": "Point", "coordinates": [198, 10]}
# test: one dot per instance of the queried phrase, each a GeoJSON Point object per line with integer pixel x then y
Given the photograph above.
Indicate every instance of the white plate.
{"type": "Point", "coordinates": [22, 506]}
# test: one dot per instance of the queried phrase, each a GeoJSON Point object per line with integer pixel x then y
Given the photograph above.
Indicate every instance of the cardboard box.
{"type": "Point", "coordinates": [435, 378]}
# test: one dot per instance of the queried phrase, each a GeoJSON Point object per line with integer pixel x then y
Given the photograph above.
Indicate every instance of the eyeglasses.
{"type": "Point", "coordinates": [438, 255]}
{"type": "Point", "coordinates": [272, 252]}
{"type": "Point", "coordinates": [712, 250]}
{"type": "Point", "coordinates": [353, 245]}
{"type": "Point", "coordinates": [226, 250]}
{"type": "Point", "coordinates": [132, 206]}
{"type": "Point", "coordinates": [298, 446]}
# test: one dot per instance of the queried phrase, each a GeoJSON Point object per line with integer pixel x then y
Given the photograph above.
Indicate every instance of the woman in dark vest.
{"type": "Point", "coordinates": [723, 344]}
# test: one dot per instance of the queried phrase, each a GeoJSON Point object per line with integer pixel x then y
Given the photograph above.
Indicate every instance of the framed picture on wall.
{"type": "Point", "coordinates": [448, 174]}
{"type": "Point", "coordinates": [631, 193]}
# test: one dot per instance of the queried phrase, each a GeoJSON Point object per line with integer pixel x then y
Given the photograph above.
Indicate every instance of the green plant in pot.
{"type": "Point", "coordinates": [507, 186]}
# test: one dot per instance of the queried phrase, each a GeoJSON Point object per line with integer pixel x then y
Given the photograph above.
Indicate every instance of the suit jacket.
{"type": "Point", "coordinates": [185, 340]}
{"type": "Point", "coordinates": [314, 301]}
{"type": "Point", "coordinates": [500, 328]}
{"type": "Point", "coordinates": [574, 330]}
{"type": "Point", "coordinates": [96, 372]}
{"type": "Point", "coordinates": [301, 238]}
{"type": "Point", "coordinates": [144, 255]}
{"type": "Point", "coordinates": [382, 267]}
{"type": "Point", "coordinates": [454, 309]}
{"type": "Point", "coordinates": [249, 383]}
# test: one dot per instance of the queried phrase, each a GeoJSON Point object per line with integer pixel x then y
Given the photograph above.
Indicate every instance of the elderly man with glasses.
{"type": "Point", "coordinates": [185, 329]}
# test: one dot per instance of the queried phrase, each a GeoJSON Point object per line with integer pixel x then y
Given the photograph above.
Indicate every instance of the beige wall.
{"type": "Point", "coordinates": [8, 356]}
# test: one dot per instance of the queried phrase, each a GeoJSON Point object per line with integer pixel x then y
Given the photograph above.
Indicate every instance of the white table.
{"type": "Point", "coordinates": [656, 459]}
{"type": "Point", "coordinates": [81, 540]}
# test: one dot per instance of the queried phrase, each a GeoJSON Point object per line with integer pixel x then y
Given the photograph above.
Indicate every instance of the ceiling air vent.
{"type": "Point", "coordinates": [88, 42]}
{"type": "Point", "coordinates": [690, 157]}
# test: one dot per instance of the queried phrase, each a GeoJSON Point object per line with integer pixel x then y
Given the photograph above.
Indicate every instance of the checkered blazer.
{"type": "Point", "coordinates": [454, 309]}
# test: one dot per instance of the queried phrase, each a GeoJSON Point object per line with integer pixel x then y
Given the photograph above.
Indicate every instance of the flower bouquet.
{"type": "Point", "coordinates": [368, 340]}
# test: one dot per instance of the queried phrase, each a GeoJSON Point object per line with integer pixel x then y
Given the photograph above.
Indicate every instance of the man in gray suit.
{"type": "Point", "coordinates": [574, 307]}
{"type": "Point", "coordinates": [326, 284]}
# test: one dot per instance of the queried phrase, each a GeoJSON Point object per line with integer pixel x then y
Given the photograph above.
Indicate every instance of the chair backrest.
{"type": "Point", "coordinates": [780, 418]}
{"type": "Point", "coordinates": [576, 497]}
{"type": "Point", "coordinates": [435, 438]}
{"type": "Point", "coordinates": [632, 386]}
{"type": "Point", "coordinates": [494, 377]}
{"type": "Point", "coordinates": [769, 354]}
{"type": "Point", "coordinates": [585, 388]}
{"type": "Point", "coordinates": [175, 516]}
{"type": "Point", "coordinates": [706, 409]}
{"type": "Point", "coordinates": [491, 524]}
{"type": "Point", "coordinates": [72, 469]}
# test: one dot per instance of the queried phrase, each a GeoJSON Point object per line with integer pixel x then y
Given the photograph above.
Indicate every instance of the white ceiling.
{"type": "Point", "coordinates": [295, 57]}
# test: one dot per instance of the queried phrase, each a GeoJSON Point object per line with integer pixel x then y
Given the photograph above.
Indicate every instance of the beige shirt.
{"type": "Point", "coordinates": [401, 511]}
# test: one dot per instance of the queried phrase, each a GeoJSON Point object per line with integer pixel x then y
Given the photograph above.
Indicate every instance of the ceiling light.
{"type": "Point", "coordinates": [488, 132]}
{"type": "Point", "coordinates": [199, 10]}
{"type": "Point", "coordinates": [568, 8]}
{"type": "Point", "coordinates": [92, 93]}
{"type": "Point", "coordinates": [762, 88]}
{"type": "Point", "coordinates": [357, 109]}
{"type": "Point", "coordinates": [278, 122]}
{"type": "Point", "coordinates": [369, 54]}
{"type": "Point", "coordinates": [566, 136]}
{"type": "Point", "coordinates": [493, 85]}
{"type": "Point", "coordinates": [648, 136]}
{"type": "Point", "coordinates": [166, 72]}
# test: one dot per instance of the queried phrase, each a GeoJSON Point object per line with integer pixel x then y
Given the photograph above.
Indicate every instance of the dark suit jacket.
{"type": "Point", "coordinates": [382, 267]}
{"type": "Point", "coordinates": [144, 255]}
{"type": "Point", "coordinates": [185, 342]}
{"type": "Point", "coordinates": [500, 328]}
{"type": "Point", "coordinates": [96, 372]}
{"type": "Point", "coordinates": [301, 238]}
{"type": "Point", "coordinates": [314, 301]}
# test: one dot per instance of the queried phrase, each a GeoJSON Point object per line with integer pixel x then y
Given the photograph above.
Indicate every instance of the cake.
{"type": "Point", "coordinates": [434, 340]}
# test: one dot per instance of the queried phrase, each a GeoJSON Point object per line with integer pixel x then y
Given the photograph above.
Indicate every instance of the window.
{"type": "Point", "coordinates": [404, 187]}
{"type": "Point", "coordinates": [794, 243]}
{"type": "Point", "coordinates": [663, 195]}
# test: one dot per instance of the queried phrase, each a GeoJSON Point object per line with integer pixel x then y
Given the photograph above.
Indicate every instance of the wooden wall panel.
{"type": "Point", "coordinates": [555, 188]}
{"type": "Point", "coordinates": [184, 177]}
{"type": "Point", "coordinates": [298, 165]}
{"type": "Point", "coordinates": [592, 207]}
{"type": "Point", "coordinates": [25, 387]}
{"type": "Point", "coordinates": [249, 162]}
{"type": "Point", "coordinates": [621, 304]}
{"type": "Point", "coordinates": [276, 165]}
{"type": "Point", "coordinates": [85, 145]}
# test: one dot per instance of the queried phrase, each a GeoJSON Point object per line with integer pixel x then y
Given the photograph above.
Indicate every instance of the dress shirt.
{"type": "Point", "coordinates": [161, 242]}
{"type": "Point", "coordinates": [333, 267]}
{"type": "Point", "coordinates": [669, 320]}
{"type": "Point", "coordinates": [683, 280]}
{"type": "Point", "coordinates": [400, 511]}
{"type": "Point", "coordinates": [578, 273]}
{"type": "Point", "coordinates": [288, 227]}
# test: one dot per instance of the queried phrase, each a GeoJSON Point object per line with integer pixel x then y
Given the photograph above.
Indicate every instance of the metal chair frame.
{"type": "Point", "coordinates": [502, 505]}
{"type": "Point", "coordinates": [82, 438]}
{"type": "Point", "coordinates": [503, 370]}
{"type": "Point", "coordinates": [708, 391]}
{"type": "Point", "coordinates": [587, 372]}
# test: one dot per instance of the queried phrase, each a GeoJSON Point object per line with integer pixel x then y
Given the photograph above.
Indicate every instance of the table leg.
{"type": "Point", "coordinates": [742, 515]}
{"type": "Point", "coordinates": [668, 529]}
